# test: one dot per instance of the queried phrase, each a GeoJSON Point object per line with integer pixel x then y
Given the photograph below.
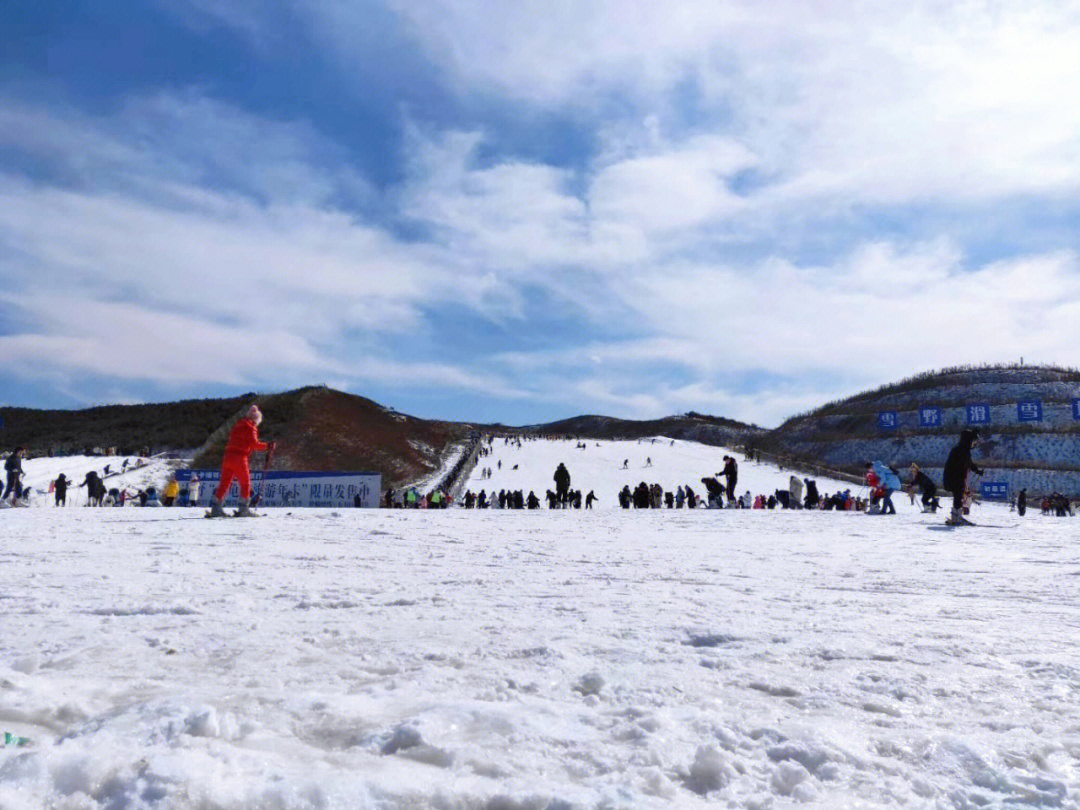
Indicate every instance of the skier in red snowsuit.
{"type": "Point", "coordinates": [243, 441]}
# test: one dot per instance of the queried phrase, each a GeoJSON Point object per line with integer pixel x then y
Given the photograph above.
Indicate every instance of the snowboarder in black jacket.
{"type": "Point", "coordinates": [1021, 502]}
{"type": "Point", "coordinates": [957, 466]}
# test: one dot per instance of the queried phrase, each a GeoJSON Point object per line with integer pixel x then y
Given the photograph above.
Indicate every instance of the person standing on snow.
{"type": "Point", "coordinates": [890, 482]}
{"type": "Point", "coordinates": [193, 490]}
{"type": "Point", "coordinates": [795, 490]}
{"type": "Point", "coordinates": [60, 490]}
{"type": "Point", "coordinates": [957, 467]}
{"type": "Point", "coordinates": [172, 492]}
{"type": "Point", "coordinates": [731, 473]}
{"type": "Point", "coordinates": [243, 441]}
{"type": "Point", "coordinates": [562, 483]}
{"type": "Point", "coordinates": [13, 467]}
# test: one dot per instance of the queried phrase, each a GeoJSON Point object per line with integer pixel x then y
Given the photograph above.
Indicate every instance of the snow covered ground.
{"type": "Point", "coordinates": [40, 472]}
{"type": "Point", "coordinates": [538, 660]}
{"type": "Point", "coordinates": [599, 467]}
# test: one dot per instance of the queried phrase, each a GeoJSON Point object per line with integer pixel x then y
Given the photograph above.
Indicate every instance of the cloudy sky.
{"type": "Point", "coordinates": [520, 211]}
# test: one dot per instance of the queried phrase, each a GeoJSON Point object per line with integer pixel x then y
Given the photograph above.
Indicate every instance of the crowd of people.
{"type": "Point", "coordinates": [16, 493]}
{"type": "Point", "coordinates": [882, 480]}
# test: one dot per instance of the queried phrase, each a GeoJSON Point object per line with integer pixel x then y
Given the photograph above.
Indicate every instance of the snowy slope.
{"type": "Point", "coordinates": [459, 659]}
{"type": "Point", "coordinates": [40, 472]}
{"type": "Point", "coordinates": [599, 467]}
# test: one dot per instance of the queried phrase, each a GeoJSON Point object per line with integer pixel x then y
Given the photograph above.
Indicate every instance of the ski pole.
{"type": "Point", "coordinates": [266, 468]}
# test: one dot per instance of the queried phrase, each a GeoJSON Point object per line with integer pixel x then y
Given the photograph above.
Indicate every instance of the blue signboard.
{"type": "Point", "coordinates": [929, 417]}
{"type": "Point", "coordinates": [1029, 410]}
{"type": "Point", "coordinates": [887, 420]}
{"type": "Point", "coordinates": [1076, 409]}
{"type": "Point", "coordinates": [978, 414]}
{"type": "Point", "coordinates": [285, 488]}
{"type": "Point", "coordinates": [995, 490]}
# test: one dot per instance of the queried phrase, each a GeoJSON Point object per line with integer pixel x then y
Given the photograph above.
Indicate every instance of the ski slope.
{"type": "Point", "coordinates": [509, 660]}
{"type": "Point", "coordinates": [463, 659]}
{"type": "Point", "coordinates": [598, 467]}
{"type": "Point", "coordinates": [41, 472]}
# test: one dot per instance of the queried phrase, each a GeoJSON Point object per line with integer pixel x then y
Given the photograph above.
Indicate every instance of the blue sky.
{"type": "Point", "coordinates": [519, 212]}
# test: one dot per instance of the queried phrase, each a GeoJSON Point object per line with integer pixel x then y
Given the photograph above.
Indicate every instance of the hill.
{"type": "Point", "coordinates": [696, 427]}
{"type": "Point", "coordinates": [1042, 455]}
{"type": "Point", "coordinates": [321, 429]}
{"type": "Point", "coordinates": [129, 428]}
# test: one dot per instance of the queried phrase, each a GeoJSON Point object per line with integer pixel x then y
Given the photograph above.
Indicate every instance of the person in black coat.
{"type": "Point", "coordinates": [957, 466]}
{"type": "Point", "coordinates": [562, 483]}
{"type": "Point", "coordinates": [731, 473]}
{"type": "Point", "coordinates": [926, 486]}
{"type": "Point", "coordinates": [95, 489]}
{"type": "Point", "coordinates": [1021, 502]}
{"type": "Point", "coordinates": [60, 490]}
{"type": "Point", "coordinates": [13, 467]}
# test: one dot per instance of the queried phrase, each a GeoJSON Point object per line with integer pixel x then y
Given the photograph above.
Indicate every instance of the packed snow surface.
{"type": "Point", "coordinates": [512, 660]}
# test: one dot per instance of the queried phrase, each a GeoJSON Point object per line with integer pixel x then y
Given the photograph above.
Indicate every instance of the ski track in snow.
{"type": "Point", "coordinates": [515, 660]}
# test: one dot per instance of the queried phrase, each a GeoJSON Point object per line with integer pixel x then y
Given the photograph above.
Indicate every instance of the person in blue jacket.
{"type": "Point", "coordinates": [890, 482]}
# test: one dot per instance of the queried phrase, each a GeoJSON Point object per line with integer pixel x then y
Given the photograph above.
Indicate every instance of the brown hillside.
{"type": "Point", "coordinates": [320, 429]}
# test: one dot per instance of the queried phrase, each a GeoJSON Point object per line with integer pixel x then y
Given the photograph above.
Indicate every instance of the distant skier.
{"type": "Point", "coordinates": [926, 486]}
{"type": "Point", "coordinates": [890, 482]}
{"type": "Point", "coordinates": [562, 483]}
{"type": "Point", "coordinates": [172, 492]}
{"type": "Point", "coordinates": [13, 467]}
{"type": "Point", "coordinates": [626, 464]}
{"type": "Point", "coordinates": [795, 490]}
{"type": "Point", "coordinates": [1021, 502]}
{"type": "Point", "coordinates": [957, 467]}
{"type": "Point", "coordinates": [731, 473]}
{"type": "Point", "coordinates": [243, 441]}
{"type": "Point", "coordinates": [193, 490]}
{"type": "Point", "coordinates": [589, 499]}
{"type": "Point", "coordinates": [60, 490]}
{"type": "Point", "coordinates": [95, 488]}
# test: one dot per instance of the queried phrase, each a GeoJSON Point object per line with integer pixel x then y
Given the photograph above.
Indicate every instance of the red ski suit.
{"type": "Point", "coordinates": [243, 441]}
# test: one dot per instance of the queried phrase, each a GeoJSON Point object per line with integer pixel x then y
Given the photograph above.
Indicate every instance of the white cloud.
{"type": "Point", "coordinates": [132, 342]}
{"type": "Point", "coordinates": [674, 189]}
{"type": "Point", "coordinates": [168, 145]}
{"type": "Point", "coordinates": [879, 102]}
